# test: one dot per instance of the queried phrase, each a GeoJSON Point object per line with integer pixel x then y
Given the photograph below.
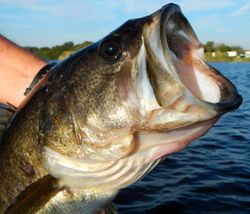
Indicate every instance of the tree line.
{"type": "Point", "coordinates": [53, 53]}
{"type": "Point", "coordinates": [212, 47]}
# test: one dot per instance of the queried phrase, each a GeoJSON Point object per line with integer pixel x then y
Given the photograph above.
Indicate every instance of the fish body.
{"type": "Point", "coordinates": [108, 113]}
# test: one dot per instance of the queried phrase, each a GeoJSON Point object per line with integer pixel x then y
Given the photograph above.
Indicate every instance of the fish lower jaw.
{"type": "Point", "coordinates": [160, 144]}
{"type": "Point", "coordinates": [96, 175]}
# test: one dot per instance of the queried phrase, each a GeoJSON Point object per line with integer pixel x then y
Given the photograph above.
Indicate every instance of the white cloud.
{"type": "Point", "coordinates": [214, 14]}
{"type": "Point", "coordinates": [245, 8]}
{"type": "Point", "coordinates": [146, 6]}
{"type": "Point", "coordinates": [26, 4]}
{"type": "Point", "coordinates": [80, 10]}
{"type": "Point", "coordinates": [11, 26]}
{"type": "Point", "coordinates": [106, 9]}
{"type": "Point", "coordinates": [208, 21]}
{"type": "Point", "coordinates": [214, 22]}
{"type": "Point", "coordinates": [132, 6]}
{"type": "Point", "coordinates": [209, 5]}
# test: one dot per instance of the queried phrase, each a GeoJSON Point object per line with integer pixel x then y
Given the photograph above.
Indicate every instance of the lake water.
{"type": "Point", "coordinates": [211, 176]}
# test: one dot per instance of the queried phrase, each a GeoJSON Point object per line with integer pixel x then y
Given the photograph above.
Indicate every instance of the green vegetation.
{"type": "Point", "coordinates": [58, 51]}
{"type": "Point", "coordinates": [213, 52]}
{"type": "Point", "coordinates": [218, 53]}
{"type": "Point", "coordinates": [212, 47]}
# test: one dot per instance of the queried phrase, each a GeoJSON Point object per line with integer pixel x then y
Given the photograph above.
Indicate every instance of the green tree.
{"type": "Point", "coordinates": [54, 52]}
{"type": "Point", "coordinates": [82, 45]}
{"type": "Point", "coordinates": [237, 48]}
{"type": "Point", "coordinates": [68, 46]}
{"type": "Point", "coordinates": [209, 47]}
{"type": "Point", "coordinates": [223, 48]}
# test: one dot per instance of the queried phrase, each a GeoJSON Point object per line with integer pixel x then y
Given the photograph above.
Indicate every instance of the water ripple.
{"type": "Point", "coordinates": [211, 176]}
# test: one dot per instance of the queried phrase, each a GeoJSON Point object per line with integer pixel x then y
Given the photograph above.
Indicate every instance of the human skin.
{"type": "Point", "coordinates": [17, 69]}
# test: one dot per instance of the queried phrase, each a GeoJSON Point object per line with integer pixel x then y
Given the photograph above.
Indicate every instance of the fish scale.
{"type": "Point", "coordinates": [104, 117]}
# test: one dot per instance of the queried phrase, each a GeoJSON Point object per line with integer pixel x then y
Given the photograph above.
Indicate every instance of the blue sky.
{"type": "Point", "coordinates": [47, 23]}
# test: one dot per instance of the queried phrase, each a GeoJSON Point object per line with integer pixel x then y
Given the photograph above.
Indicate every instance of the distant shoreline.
{"type": "Point", "coordinates": [212, 54]}
{"type": "Point", "coordinates": [242, 61]}
{"type": "Point", "coordinates": [223, 57]}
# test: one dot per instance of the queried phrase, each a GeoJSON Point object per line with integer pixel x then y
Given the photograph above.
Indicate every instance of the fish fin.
{"type": "Point", "coordinates": [6, 112]}
{"type": "Point", "coordinates": [35, 196]}
{"type": "Point", "coordinates": [110, 209]}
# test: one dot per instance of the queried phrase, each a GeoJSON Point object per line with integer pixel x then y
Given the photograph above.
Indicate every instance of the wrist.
{"type": "Point", "coordinates": [18, 68]}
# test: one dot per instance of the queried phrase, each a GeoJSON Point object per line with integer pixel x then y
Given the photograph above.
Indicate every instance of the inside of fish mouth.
{"type": "Point", "coordinates": [187, 55]}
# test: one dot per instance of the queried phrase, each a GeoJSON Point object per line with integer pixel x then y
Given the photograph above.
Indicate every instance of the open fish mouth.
{"type": "Point", "coordinates": [174, 93]}
{"type": "Point", "coordinates": [176, 66]}
{"type": "Point", "coordinates": [201, 79]}
{"type": "Point", "coordinates": [186, 96]}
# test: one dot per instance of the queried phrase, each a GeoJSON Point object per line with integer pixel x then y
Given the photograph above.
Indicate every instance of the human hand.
{"type": "Point", "coordinates": [18, 67]}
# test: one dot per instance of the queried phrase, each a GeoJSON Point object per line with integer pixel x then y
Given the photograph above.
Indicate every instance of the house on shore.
{"type": "Point", "coordinates": [243, 54]}
{"type": "Point", "coordinates": [247, 54]}
{"type": "Point", "coordinates": [232, 53]}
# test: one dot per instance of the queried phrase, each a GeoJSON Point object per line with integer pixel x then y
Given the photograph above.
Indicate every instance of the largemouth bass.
{"type": "Point", "coordinates": [107, 114]}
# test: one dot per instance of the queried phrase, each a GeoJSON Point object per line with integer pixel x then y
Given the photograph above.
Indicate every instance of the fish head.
{"type": "Point", "coordinates": [139, 94]}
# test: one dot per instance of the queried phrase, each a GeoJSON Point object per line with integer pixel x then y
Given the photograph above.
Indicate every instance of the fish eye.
{"type": "Point", "coordinates": [110, 50]}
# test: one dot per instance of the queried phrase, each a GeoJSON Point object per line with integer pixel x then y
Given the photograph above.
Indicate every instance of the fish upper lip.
{"type": "Point", "coordinates": [169, 9]}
